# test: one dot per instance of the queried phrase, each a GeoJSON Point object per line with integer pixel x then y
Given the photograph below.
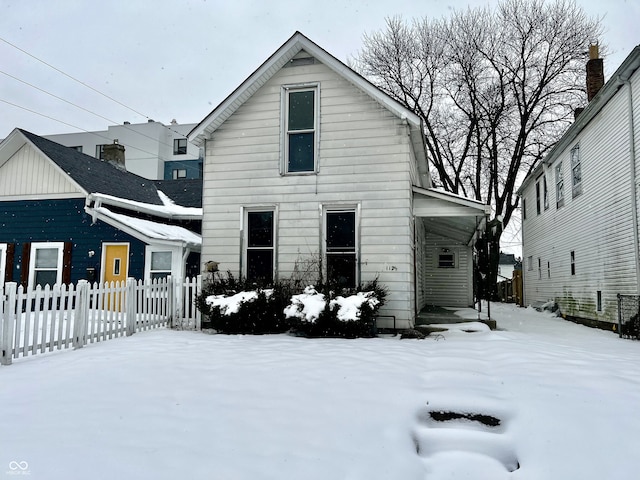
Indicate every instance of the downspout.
{"type": "Point", "coordinates": [634, 204]}
{"type": "Point", "coordinates": [187, 252]}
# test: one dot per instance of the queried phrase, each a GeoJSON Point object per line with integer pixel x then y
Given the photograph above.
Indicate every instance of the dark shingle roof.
{"type": "Point", "coordinates": [185, 192]}
{"type": "Point", "coordinates": [97, 176]}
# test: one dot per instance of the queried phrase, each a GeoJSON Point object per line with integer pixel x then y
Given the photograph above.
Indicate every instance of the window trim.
{"type": "Point", "coordinates": [32, 261]}
{"type": "Point", "coordinates": [4, 247]}
{"type": "Point", "coordinates": [559, 185]}
{"type": "Point", "coordinates": [337, 208]}
{"type": "Point", "coordinates": [573, 262]}
{"type": "Point", "coordinates": [284, 122]}
{"type": "Point", "coordinates": [179, 149]}
{"type": "Point", "coordinates": [576, 164]}
{"type": "Point", "coordinates": [176, 260]}
{"type": "Point", "coordinates": [244, 236]}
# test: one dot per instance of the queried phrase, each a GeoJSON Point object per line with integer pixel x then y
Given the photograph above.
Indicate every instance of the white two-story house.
{"type": "Point", "coordinates": [580, 205]}
{"type": "Point", "coordinates": [309, 166]}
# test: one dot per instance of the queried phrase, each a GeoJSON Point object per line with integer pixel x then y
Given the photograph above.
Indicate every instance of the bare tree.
{"type": "Point", "coordinates": [496, 88]}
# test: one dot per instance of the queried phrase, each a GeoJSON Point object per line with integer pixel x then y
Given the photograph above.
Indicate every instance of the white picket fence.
{"type": "Point", "coordinates": [42, 320]}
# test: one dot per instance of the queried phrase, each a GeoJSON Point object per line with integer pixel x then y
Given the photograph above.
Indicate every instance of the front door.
{"type": "Point", "coordinates": [115, 268]}
{"type": "Point", "coordinates": [115, 262]}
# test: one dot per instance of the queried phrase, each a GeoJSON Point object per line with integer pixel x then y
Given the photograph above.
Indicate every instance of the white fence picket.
{"type": "Point", "coordinates": [36, 321]}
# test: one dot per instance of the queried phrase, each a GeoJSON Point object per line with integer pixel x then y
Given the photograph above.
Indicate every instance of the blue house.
{"type": "Point", "coordinates": [66, 216]}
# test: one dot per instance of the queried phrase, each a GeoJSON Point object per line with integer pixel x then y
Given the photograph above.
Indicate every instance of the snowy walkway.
{"type": "Point", "coordinates": [169, 405]}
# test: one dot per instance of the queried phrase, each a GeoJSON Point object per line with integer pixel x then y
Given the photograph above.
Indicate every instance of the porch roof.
{"type": "Point", "coordinates": [151, 233]}
{"type": "Point", "coordinates": [449, 215]}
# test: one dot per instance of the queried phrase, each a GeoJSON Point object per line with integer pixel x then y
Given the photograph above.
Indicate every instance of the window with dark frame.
{"type": "Point", "coordinates": [260, 246]}
{"type": "Point", "coordinates": [179, 146]}
{"type": "Point", "coordinates": [446, 259]}
{"type": "Point", "coordinates": [599, 300]}
{"type": "Point", "coordinates": [300, 141]}
{"type": "Point", "coordinates": [573, 262]}
{"type": "Point", "coordinates": [538, 209]}
{"type": "Point", "coordinates": [539, 269]}
{"type": "Point", "coordinates": [100, 152]}
{"type": "Point", "coordinates": [340, 251]}
{"type": "Point", "coordinates": [179, 173]}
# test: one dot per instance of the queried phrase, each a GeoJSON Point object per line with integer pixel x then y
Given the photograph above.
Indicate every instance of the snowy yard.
{"type": "Point", "coordinates": [184, 405]}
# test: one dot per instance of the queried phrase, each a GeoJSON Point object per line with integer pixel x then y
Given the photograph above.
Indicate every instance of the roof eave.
{"type": "Point", "coordinates": [276, 61]}
{"type": "Point", "coordinates": [610, 88]}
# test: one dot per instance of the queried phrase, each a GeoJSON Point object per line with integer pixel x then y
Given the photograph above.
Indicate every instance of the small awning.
{"type": "Point", "coordinates": [151, 233]}
{"type": "Point", "coordinates": [449, 215]}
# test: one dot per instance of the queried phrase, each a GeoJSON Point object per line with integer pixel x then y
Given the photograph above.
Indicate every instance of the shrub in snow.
{"type": "Point", "coordinates": [231, 305]}
{"type": "Point", "coordinates": [349, 315]}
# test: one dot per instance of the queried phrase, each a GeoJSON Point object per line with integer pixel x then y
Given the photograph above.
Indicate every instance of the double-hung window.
{"type": "Point", "coordinates": [538, 209]}
{"type": "Point", "coordinates": [46, 263]}
{"type": "Point", "coordinates": [576, 172]}
{"type": "Point", "coordinates": [341, 247]}
{"type": "Point", "coordinates": [301, 128]}
{"type": "Point", "coordinates": [559, 186]}
{"type": "Point", "coordinates": [259, 239]}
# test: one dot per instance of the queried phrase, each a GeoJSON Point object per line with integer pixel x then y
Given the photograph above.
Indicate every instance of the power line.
{"type": "Point", "coordinates": [153, 155]}
{"type": "Point", "coordinates": [90, 111]}
{"type": "Point", "coordinates": [73, 78]}
{"type": "Point", "coordinates": [85, 85]}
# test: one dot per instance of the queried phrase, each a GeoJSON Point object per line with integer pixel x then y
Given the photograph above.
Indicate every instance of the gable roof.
{"type": "Point", "coordinates": [93, 175]}
{"type": "Point", "coordinates": [279, 59]}
{"type": "Point", "coordinates": [621, 76]}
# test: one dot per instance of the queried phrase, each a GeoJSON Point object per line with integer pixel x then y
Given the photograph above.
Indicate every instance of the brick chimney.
{"type": "Point", "coordinates": [114, 154]}
{"type": "Point", "coordinates": [595, 72]}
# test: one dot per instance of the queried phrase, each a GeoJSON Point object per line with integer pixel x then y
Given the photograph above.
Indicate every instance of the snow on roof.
{"type": "Point", "coordinates": [168, 210]}
{"type": "Point", "coordinates": [150, 230]}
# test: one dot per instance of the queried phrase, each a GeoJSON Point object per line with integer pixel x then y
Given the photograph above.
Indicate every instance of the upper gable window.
{"type": "Point", "coordinates": [301, 129]}
{"type": "Point", "coordinates": [576, 171]}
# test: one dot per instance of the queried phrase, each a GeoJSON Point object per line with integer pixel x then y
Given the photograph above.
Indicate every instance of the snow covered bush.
{"type": "Point", "coordinates": [231, 305]}
{"type": "Point", "coordinates": [350, 314]}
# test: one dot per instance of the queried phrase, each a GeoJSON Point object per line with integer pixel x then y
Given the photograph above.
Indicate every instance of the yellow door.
{"type": "Point", "coordinates": [115, 267]}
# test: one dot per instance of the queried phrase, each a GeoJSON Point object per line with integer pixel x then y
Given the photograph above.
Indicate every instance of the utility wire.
{"type": "Point", "coordinates": [89, 111]}
{"type": "Point", "coordinates": [73, 78]}
{"type": "Point", "coordinates": [153, 155]}
{"type": "Point", "coordinates": [85, 85]}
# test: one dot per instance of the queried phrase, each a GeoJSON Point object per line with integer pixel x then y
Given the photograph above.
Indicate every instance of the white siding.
{"type": "Point", "coordinates": [447, 287]}
{"type": "Point", "coordinates": [28, 173]}
{"type": "Point", "coordinates": [597, 225]}
{"type": "Point", "coordinates": [364, 159]}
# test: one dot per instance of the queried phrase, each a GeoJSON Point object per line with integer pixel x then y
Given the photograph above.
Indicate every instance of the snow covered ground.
{"type": "Point", "coordinates": [558, 401]}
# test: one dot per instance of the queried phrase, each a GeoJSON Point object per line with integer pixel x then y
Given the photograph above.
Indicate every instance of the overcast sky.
{"type": "Point", "coordinates": [179, 59]}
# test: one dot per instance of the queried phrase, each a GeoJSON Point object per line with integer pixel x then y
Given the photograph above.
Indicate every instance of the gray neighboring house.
{"type": "Point", "coordinates": [580, 205]}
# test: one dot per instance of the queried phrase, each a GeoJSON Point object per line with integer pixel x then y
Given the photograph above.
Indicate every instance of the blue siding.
{"type": "Point", "coordinates": [64, 221]}
{"type": "Point", "coordinates": [193, 168]}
